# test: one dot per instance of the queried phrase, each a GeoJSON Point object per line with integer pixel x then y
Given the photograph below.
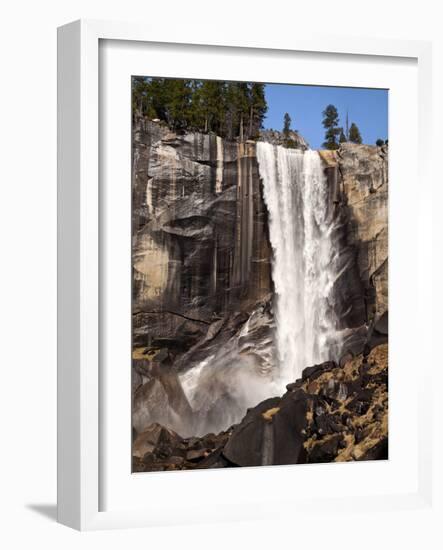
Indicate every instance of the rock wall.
{"type": "Point", "coordinates": [364, 179]}
{"type": "Point", "coordinates": [200, 245]}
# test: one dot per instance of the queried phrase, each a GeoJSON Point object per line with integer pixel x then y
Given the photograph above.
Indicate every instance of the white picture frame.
{"type": "Point", "coordinates": [80, 413]}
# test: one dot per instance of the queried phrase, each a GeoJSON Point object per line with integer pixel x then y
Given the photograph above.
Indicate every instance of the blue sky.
{"type": "Point", "coordinates": [368, 108]}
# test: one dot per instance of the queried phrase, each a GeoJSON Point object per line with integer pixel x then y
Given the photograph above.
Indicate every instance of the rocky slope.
{"type": "Point", "coordinates": [202, 282]}
{"type": "Point", "coordinates": [332, 414]}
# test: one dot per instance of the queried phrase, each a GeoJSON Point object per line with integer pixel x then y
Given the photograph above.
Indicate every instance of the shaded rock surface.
{"type": "Point", "coordinates": [364, 179]}
{"type": "Point", "coordinates": [331, 414]}
{"type": "Point", "coordinates": [199, 228]}
{"type": "Point", "coordinates": [359, 176]}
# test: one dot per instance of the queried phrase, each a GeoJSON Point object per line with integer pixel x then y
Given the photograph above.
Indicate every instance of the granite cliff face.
{"type": "Point", "coordinates": [200, 245]}
{"type": "Point", "coordinates": [360, 176]}
{"type": "Point", "coordinates": [364, 178]}
{"type": "Point", "coordinates": [202, 271]}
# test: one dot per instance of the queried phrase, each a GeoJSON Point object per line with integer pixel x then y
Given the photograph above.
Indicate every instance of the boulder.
{"type": "Point", "coordinates": [270, 433]}
{"type": "Point", "coordinates": [147, 441]}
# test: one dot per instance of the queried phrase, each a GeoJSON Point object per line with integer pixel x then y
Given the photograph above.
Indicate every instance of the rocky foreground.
{"type": "Point", "coordinates": [332, 414]}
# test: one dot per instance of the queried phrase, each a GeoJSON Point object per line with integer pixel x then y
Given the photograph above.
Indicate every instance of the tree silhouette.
{"type": "Point", "coordinates": [354, 134]}
{"type": "Point", "coordinates": [330, 123]}
{"type": "Point", "coordinates": [286, 124]}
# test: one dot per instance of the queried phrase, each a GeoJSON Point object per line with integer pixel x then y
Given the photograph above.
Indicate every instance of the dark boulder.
{"type": "Point", "coordinates": [315, 371]}
{"type": "Point", "coordinates": [360, 404]}
{"type": "Point", "coordinates": [245, 445]}
{"type": "Point", "coordinates": [271, 433]}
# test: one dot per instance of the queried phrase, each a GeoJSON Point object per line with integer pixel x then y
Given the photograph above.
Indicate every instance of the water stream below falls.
{"type": "Point", "coordinates": [302, 230]}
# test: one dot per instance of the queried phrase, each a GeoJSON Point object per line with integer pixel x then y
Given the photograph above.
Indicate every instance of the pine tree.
{"type": "Point", "coordinates": [177, 102]}
{"type": "Point", "coordinates": [230, 122]}
{"type": "Point", "coordinates": [287, 139]}
{"type": "Point", "coordinates": [342, 138]}
{"type": "Point", "coordinates": [142, 97]}
{"type": "Point", "coordinates": [158, 94]}
{"type": "Point", "coordinates": [379, 142]}
{"type": "Point", "coordinates": [207, 106]}
{"type": "Point", "coordinates": [286, 125]}
{"type": "Point", "coordinates": [241, 103]}
{"type": "Point", "coordinates": [257, 108]}
{"type": "Point", "coordinates": [138, 94]}
{"type": "Point", "coordinates": [354, 134]}
{"type": "Point", "coordinates": [330, 123]}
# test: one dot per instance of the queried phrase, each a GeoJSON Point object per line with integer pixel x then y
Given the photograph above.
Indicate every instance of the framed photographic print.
{"type": "Point", "coordinates": [236, 227]}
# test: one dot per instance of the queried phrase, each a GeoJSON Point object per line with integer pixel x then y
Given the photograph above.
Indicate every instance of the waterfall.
{"type": "Point", "coordinates": [246, 360]}
{"type": "Point", "coordinates": [301, 229]}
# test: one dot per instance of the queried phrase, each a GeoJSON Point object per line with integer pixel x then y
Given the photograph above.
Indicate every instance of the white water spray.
{"type": "Point", "coordinates": [301, 228]}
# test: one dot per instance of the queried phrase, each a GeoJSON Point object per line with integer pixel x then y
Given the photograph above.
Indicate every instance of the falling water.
{"type": "Point", "coordinates": [301, 228]}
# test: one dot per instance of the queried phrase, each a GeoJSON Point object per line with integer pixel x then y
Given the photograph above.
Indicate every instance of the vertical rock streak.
{"type": "Point", "coordinates": [244, 219]}
{"type": "Point", "coordinates": [301, 228]}
{"type": "Point", "coordinates": [219, 169]}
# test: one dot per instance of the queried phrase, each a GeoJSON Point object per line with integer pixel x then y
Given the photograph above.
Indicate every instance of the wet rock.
{"type": "Point", "coordinates": [244, 447]}
{"type": "Point", "coordinates": [342, 392]}
{"type": "Point", "coordinates": [315, 371]}
{"type": "Point", "coordinates": [271, 433]}
{"type": "Point", "coordinates": [294, 385]}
